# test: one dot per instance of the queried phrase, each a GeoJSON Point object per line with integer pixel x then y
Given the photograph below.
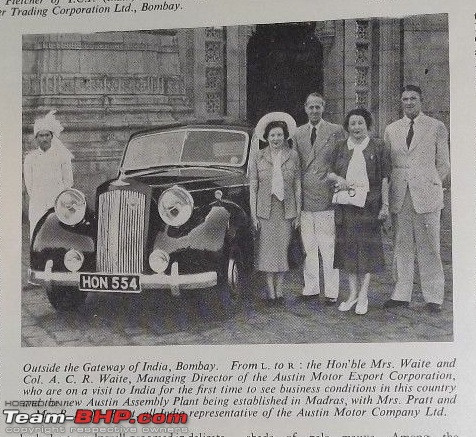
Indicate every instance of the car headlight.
{"type": "Point", "coordinates": [70, 206]}
{"type": "Point", "coordinates": [159, 260]}
{"type": "Point", "coordinates": [175, 206]}
{"type": "Point", "coordinates": [73, 260]}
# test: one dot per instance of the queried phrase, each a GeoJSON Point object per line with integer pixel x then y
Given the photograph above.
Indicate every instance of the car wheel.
{"type": "Point", "coordinates": [65, 298]}
{"type": "Point", "coordinates": [237, 277]}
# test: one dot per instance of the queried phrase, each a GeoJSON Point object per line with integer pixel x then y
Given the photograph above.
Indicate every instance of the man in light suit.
{"type": "Point", "coordinates": [315, 143]}
{"type": "Point", "coordinates": [419, 154]}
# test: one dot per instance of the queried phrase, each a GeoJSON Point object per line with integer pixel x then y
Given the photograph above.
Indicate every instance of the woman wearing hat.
{"type": "Point", "coordinates": [275, 197]}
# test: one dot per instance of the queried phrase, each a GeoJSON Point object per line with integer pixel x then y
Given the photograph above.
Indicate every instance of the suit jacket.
{"type": "Point", "coordinates": [315, 163]}
{"type": "Point", "coordinates": [377, 166]}
{"type": "Point", "coordinates": [261, 173]}
{"type": "Point", "coordinates": [422, 167]}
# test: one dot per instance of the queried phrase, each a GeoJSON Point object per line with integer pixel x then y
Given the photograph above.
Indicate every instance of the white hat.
{"type": "Point", "coordinates": [48, 123]}
{"type": "Point", "coordinates": [275, 116]}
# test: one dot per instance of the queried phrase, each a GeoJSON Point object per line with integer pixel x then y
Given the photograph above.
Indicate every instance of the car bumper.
{"type": "Point", "coordinates": [174, 282]}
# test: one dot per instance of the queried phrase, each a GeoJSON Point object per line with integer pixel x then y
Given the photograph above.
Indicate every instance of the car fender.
{"type": "Point", "coordinates": [223, 228]}
{"type": "Point", "coordinates": [52, 239]}
{"type": "Point", "coordinates": [239, 236]}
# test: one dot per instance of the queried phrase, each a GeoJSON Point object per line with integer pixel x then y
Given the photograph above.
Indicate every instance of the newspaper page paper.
{"type": "Point", "coordinates": [161, 275]}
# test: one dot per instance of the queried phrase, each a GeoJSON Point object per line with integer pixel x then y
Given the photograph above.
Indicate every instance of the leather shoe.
{"type": "Point", "coordinates": [396, 303]}
{"type": "Point", "coordinates": [433, 307]}
{"type": "Point", "coordinates": [329, 301]}
{"type": "Point", "coordinates": [306, 297]}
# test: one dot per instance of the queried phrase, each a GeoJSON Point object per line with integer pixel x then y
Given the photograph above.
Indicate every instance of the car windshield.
{"type": "Point", "coordinates": [186, 147]}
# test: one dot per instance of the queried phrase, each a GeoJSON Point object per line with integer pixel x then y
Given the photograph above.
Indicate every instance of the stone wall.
{"type": "Point", "coordinates": [331, 34]}
{"type": "Point", "coordinates": [366, 62]}
{"type": "Point", "coordinates": [426, 62]}
{"type": "Point", "coordinates": [104, 87]}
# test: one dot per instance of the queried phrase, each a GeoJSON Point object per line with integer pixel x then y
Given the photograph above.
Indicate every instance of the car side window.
{"type": "Point", "coordinates": [214, 147]}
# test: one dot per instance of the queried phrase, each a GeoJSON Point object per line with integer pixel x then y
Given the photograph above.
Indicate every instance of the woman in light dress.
{"type": "Point", "coordinates": [275, 198]}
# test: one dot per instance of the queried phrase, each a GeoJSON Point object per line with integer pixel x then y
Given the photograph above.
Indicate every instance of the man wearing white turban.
{"type": "Point", "coordinates": [47, 170]}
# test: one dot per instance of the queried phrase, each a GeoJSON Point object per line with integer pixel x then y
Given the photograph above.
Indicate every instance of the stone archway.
{"type": "Point", "coordinates": [284, 65]}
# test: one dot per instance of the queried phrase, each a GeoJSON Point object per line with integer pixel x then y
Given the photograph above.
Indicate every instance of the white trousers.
{"type": "Point", "coordinates": [318, 235]}
{"type": "Point", "coordinates": [420, 234]}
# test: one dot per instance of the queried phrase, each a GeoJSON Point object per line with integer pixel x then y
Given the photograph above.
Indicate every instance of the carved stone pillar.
{"type": "Point", "coordinates": [326, 33]}
{"type": "Point", "coordinates": [210, 72]}
{"type": "Point", "coordinates": [363, 64]}
{"type": "Point", "coordinates": [389, 73]}
{"type": "Point", "coordinates": [236, 41]}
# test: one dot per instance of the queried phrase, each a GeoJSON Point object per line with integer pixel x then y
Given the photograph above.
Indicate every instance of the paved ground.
{"type": "Point", "coordinates": [213, 317]}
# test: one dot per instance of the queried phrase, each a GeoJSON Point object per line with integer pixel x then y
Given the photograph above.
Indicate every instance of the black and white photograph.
{"type": "Point", "coordinates": [237, 219]}
{"type": "Point", "coordinates": [279, 183]}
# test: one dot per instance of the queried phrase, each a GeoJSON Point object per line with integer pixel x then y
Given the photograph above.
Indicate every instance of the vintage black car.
{"type": "Point", "coordinates": [176, 217]}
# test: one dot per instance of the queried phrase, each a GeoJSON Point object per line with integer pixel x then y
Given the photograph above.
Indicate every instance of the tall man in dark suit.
{"type": "Point", "coordinates": [419, 153]}
{"type": "Point", "coordinates": [315, 142]}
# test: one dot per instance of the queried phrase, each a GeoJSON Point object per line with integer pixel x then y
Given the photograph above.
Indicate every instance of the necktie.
{"type": "Point", "coordinates": [410, 133]}
{"type": "Point", "coordinates": [313, 134]}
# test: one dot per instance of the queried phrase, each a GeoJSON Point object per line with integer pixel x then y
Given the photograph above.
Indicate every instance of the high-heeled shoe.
{"type": "Point", "coordinates": [347, 305]}
{"type": "Point", "coordinates": [362, 307]}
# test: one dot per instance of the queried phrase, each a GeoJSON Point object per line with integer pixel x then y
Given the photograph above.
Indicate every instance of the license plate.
{"type": "Point", "coordinates": [111, 283]}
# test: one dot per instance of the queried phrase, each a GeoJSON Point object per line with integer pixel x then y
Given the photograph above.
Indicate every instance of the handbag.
{"type": "Point", "coordinates": [352, 196]}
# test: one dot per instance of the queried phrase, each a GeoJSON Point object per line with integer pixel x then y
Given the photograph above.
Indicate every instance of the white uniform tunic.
{"type": "Point", "coordinates": [46, 175]}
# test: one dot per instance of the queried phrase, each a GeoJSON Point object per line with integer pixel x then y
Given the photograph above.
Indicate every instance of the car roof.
{"type": "Point", "coordinates": [219, 124]}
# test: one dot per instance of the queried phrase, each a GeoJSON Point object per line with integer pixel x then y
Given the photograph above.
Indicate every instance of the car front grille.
{"type": "Point", "coordinates": [120, 239]}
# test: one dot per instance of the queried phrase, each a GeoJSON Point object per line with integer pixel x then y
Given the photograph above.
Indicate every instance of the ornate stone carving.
{"type": "Point", "coordinates": [113, 85]}
{"type": "Point", "coordinates": [213, 52]}
{"type": "Point", "coordinates": [361, 99]}
{"type": "Point", "coordinates": [214, 77]}
{"type": "Point", "coordinates": [362, 77]}
{"type": "Point", "coordinates": [173, 85]}
{"type": "Point", "coordinates": [214, 103]}
{"type": "Point", "coordinates": [362, 31]}
{"type": "Point", "coordinates": [75, 84]}
{"type": "Point", "coordinates": [30, 86]}
{"type": "Point", "coordinates": [363, 55]}
{"type": "Point", "coordinates": [172, 47]}
{"type": "Point", "coordinates": [326, 32]}
{"type": "Point", "coordinates": [214, 91]}
{"type": "Point", "coordinates": [214, 33]}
